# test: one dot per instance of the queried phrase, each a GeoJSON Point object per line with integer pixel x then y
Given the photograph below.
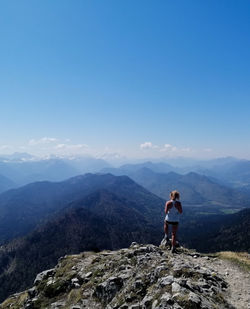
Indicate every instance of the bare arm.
{"type": "Point", "coordinates": [179, 207]}
{"type": "Point", "coordinates": [168, 206]}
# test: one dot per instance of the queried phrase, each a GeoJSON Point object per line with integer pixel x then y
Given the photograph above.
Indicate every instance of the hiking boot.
{"type": "Point", "coordinates": [165, 242]}
{"type": "Point", "coordinates": [173, 250]}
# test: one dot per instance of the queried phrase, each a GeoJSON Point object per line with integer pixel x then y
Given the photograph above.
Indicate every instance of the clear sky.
{"type": "Point", "coordinates": [136, 78]}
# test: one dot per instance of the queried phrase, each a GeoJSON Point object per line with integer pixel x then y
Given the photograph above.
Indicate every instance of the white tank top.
{"type": "Point", "coordinates": [173, 214]}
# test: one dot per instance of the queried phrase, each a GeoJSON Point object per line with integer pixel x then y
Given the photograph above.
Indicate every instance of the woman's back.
{"type": "Point", "coordinates": [173, 213]}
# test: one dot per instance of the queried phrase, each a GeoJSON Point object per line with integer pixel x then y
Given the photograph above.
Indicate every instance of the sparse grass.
{"type": "Point", "coordinates": [242, 259]}
{"type": "Point", "coordinates": [66, 266]}
{"type": "Point", "coordinates": [74, 297]}
{"type": "Point", "coordinates": [15, 302]}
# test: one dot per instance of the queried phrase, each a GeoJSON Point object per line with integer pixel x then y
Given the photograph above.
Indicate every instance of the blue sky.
{"type": "Point", "coordinates": [133, 78]}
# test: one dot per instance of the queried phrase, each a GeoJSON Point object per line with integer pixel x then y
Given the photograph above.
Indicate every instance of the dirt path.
{"type": "Point", "coordinates": [238, 291]}
{"type": "Point", "coordinates": [239, 283]}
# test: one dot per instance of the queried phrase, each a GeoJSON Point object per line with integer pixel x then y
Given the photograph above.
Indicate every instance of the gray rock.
{"type": "Point", "coordinates": [176, 287]}
{"type": "Point", "coordinates": [134, 244]}
{"type": "Point", "coordinates": [154, 305]}
{"type": "Point", "coordinates": [138, 284]}
{"type": "Point", "coordinates": [88, 275]}
{"type": "Point", "coordinates": [44, 275]}
{"type": "Point", "coordinates": [135, 306]}
{"type": "Point", "coordinates": [32, 292]}
{"type": "Point", "coordinates": [58, 304]}
{"type": "Point", "coordinates": [166, 281]}
{"type": "Point", "coordinates": [167, 299]}
{"type": "Point", "coordinates": [182, 282]}
{"type": "Point", "coordinates": [147, 302]}
{"type": "Point", "coordinates": [177, 306]}
{"type": "Point", "coordinates": [194, 299]}
{"type": "Point", "coordinates": [108, 289]}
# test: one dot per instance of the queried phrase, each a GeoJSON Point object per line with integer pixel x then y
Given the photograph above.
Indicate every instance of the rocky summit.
{"type": "Point", "coordinates": [139, 277]}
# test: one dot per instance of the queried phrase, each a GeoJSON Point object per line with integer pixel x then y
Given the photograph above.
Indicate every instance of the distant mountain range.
{"type": "Point", "coordinates": [22, 169]}
{"type": "Point", "coordinates": [228, 171]}
{"type": "Point", "coordinates": [196, 189]}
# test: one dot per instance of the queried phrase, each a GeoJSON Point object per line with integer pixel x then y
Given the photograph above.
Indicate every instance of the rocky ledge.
{"type": "Point", "coordinates": [140, 277]}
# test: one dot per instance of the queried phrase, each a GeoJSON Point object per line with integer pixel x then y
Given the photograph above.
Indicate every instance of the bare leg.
{"type": "Point", "coordinates": [166, 228]}
{"type": "Point", "coordinates": [174, 231]}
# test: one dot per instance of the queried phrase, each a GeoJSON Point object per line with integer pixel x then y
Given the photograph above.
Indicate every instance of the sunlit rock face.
{"type": "Point", "coordinates": [141, 276]}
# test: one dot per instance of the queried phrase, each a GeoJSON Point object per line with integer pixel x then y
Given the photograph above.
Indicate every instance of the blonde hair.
{"type": "Point", "coordinates": [175, 195]}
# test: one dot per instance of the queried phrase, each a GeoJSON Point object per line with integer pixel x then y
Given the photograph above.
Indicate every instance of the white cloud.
{"type": "Point", "coordinates": [43, 140]}
{"type": "Point", "coordinates": [71, 146]}
{"type": "Point", "coordinates": [4, 147]}
{"type": "Point", "coordinates": [169, 148]}
{"type": "Point", "coordinates": [148, 145]}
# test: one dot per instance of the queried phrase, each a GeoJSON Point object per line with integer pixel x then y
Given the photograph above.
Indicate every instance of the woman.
{"type": "Point", "coordinates": [173, 209]}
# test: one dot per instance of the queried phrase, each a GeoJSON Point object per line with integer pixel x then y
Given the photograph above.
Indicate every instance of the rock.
{"type": "Point", "coordinates": [107, 290]}
{"type": "Point", "coordinates": [147, 302]}
{"type": "Point", "coordinates": [138, 284]}
{"type": "Point", "coordinates": [135, 306]}
{"type": "Point", "coordinates": [134, 244]}
{"type": "Point", "coordinates": [44, 275]}
{"type": "Point", "coordinates": [176, 287]}
{"type": "Point", "coordinates": [50, 281]}
{"type": "Point", "coordinates": [194, 300]}
{"type": "Point", "coordinates": [167, 299]}
{"type": "Point", "coordinates": [58, 304]}
{"type": "Point", "coordinates": [155, 303]}
{"type": "Point", "coordinates": [166, 281]}
{"type": "Point", "coordinates": [182, 282]}
{"type": "Point", "coordinates": [75, 282]}
{"type": "Point", "coordinates": [32, 292]}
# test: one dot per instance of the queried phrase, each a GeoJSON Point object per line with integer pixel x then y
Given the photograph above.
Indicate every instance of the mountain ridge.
{"type": "Point", "coordinates": [141, 276]}
{"type": "Point", "coordinates": [38, 201]}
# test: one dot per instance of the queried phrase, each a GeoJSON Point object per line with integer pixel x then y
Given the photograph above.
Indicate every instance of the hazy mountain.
{"type": "Point", "coordinates": [87, 164]}
{"type": "Point", "coordinates": [6, 184]}
{"type": "Point", "coordinates": [23, 208]}
{"type": "Point", "coordinates": [191, 164]}
{"type": "Point", "coordinates": [235, 173]}
{"type": "Point", "coordinates": [23, 168]}
{"type": "Point", "coordinates": [229, 171]}
{"type": "Point", "coordinates": [195, 189]}
{"type": "Point", "coordinates": [17, 156]}
{"type": "Point", "coordinates": [127, 169]}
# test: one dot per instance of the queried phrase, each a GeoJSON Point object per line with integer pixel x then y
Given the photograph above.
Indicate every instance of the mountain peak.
{"type": "Point", "coordinates": [141, 276]}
